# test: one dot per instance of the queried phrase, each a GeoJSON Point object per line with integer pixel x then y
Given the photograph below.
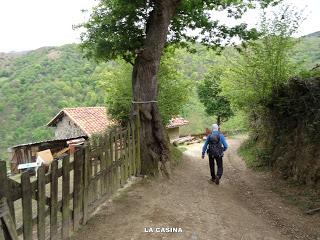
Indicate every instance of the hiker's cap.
{"type": "Point", "coordinates": [215, 127]}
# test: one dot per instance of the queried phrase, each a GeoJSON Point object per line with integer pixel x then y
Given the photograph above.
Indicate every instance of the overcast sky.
{"type": "Point", "coordinates": [31, 24]}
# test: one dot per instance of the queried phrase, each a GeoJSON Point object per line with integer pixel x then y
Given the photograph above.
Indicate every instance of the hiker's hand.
{"type": "Point", "coordinates": [202, 156]}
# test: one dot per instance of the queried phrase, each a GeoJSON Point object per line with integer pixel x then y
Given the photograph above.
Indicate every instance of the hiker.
{"type": "Point", "coordinates": [215, 146]}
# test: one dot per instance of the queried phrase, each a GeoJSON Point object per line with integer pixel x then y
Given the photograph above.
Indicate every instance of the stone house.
{"type": "Point", "coordinates": [71, 124]}
{"type": "Point", "coordinates": [80, 121]}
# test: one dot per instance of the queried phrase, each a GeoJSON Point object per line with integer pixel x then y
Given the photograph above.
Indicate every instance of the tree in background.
{"type": "Point", "coordinates": [210, 95]}
{"type": "Point", "coordinates": [115, 80]}
{"type": "Point", "coordinates": [138, 31]}
{"type": "Point", "coordinates": [264, 65]}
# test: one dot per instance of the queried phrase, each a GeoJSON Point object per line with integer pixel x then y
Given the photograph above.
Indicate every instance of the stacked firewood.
{"type": "Point", "coordinates": [186, 140]}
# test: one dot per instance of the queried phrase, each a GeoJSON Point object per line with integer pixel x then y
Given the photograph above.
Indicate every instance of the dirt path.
{"type": "Point", "coordinates": [243, 207]}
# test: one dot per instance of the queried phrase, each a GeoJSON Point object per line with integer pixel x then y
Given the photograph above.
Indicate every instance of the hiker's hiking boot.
{"type": "Point", "coordinates": [212, 180]}
{"type": "Point", "coordinates": [217, 180]}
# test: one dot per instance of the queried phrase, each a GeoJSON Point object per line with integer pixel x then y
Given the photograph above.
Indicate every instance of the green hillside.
{"type": "Point", "coordinates": [35, 85]}
{"type": "Point", "coordinates": [307, 51]}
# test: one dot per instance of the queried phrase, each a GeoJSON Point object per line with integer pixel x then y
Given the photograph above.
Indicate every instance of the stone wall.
{"type": "Point", "coordinates": [173, 133]}
{"type": "Point", "coordinates": [67, 129]}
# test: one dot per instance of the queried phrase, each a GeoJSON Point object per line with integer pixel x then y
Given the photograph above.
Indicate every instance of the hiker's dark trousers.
{"type": "Point", "coordinates": [219, 164]}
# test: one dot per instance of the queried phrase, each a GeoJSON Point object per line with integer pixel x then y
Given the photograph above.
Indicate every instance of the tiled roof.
{"type": "Point", "coordinates": [90, 120]}
{"type": "Point", "coordinates": [177, 122]}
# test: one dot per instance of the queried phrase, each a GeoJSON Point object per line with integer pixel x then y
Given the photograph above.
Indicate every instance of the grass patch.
{"type": "Point", "coordinates": [292, 192]}
{"type": "Point", "coordinates": [176, 155]}
{"type": "Point", "coordinates": [234, 133]}
{"type": "Point", "coordinates": [121, 196]}
{"type": "Point", "coordinates": [182, 148]}
{"type": "Point", "coordinates": [304, 197]}
{"type": "Point", "coordinates": [254, 157]}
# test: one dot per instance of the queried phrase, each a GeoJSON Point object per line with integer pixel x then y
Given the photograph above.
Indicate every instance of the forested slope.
{"type": "Point", "coordinates": [35, 85]}
{"type": "Point", "coordinates": [307, 51]}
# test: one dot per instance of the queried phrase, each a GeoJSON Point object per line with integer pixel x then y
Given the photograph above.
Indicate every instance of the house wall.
{"type": "Point", "coordinates": [67, 129]}
{"type": "Point", "coordinates": [173, 133]}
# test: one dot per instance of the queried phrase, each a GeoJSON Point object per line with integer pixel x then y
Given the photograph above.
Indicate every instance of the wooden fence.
{"type": "Point", "coordinates": [54, 204]}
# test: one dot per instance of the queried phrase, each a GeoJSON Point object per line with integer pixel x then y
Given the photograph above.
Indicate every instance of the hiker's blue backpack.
{"type": "Point", "coordinates": [215, 148]}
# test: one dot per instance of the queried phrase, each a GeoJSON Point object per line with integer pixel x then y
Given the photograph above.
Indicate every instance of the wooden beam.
{"type": "Point", "coordinates": [312, 211]}
{"type": "Point", "coordinates": [7, 226]}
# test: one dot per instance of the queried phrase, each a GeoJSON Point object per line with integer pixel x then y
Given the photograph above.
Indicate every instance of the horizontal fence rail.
{"type": "Point", "coordinates": [53, 204]}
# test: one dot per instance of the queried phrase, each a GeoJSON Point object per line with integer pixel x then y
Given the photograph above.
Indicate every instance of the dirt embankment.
{"type": "Point", "coordinates": [292, 125]}
{"type": "Point", "coordinates": [241, 207]}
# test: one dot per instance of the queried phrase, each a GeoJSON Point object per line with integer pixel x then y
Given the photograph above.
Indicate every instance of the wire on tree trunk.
{"type": "Point", "coordinates": [143, 102]}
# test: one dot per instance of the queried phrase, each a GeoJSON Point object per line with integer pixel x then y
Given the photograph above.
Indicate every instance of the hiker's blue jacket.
{"type": "Point", "coordinates": [222, 141]}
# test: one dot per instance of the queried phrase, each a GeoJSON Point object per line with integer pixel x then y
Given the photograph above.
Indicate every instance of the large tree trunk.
{"type": "Point", "coordinates": [219, 120]}
{"type": "Point", "coordinates": [154, 141]}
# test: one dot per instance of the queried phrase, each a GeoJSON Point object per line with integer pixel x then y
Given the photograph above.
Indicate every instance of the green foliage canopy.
{"type": "Point", "coordinates": [210, 95]}
{"type": "Point", "coordinates": [174, 89]}
{"type": "Point", "coordinates": [118, 28]}
{"type": "Point", "coordinates": [264, 65]}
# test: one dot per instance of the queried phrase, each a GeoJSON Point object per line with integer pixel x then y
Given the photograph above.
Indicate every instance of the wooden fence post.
{"type": "Point", "coordinates": [7, 226]}
{"type": "Point", "coordinates": [117, 173]}
{"type": "Point", "coordinates": [95, 193]}
{"type": "Point", "coordinates": [134, 155]}
{"type": "Point", "coordinates": [138, 142]}
{"type": "Point", "coordinates": [65, 198]}
{"type": "Point", "coordinates": [106, 159]}
{"type": "Point", "coordinates": [7, 223]}
{"type": "Point", "coordinates": [121, 157]}
{"type": "Point", "coordinates": [98, 167]}
{"type": "Point", "coordinates": [103, 164]}
{"type": "Point", "coordinates": [53, 200]}
{"type": "Point", "coordinates": [108, 164]}
{"type": "Point", "coordinates": [89, 170]}
{"type": "Point", "coordinates": [41, 200]}
{"type": "Point", "coordinates": [129, 146]}
{"type": "Point", "coordinates": [127, 166]}
{"type": "Point", "coordinates": [86, 183]}
{"type": "Point", "coordinates": [112, 173]}
{"type": "Point", "coordinates": [125, 156]}
{"type": "Point", "coordinates": [26, 206]}
{"type": "Point", "coordinates": [77, 188]}
{"type": "Point", "coordinates": [4, 190]}
{"type": "Point", "coordinates": [3, 180]}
